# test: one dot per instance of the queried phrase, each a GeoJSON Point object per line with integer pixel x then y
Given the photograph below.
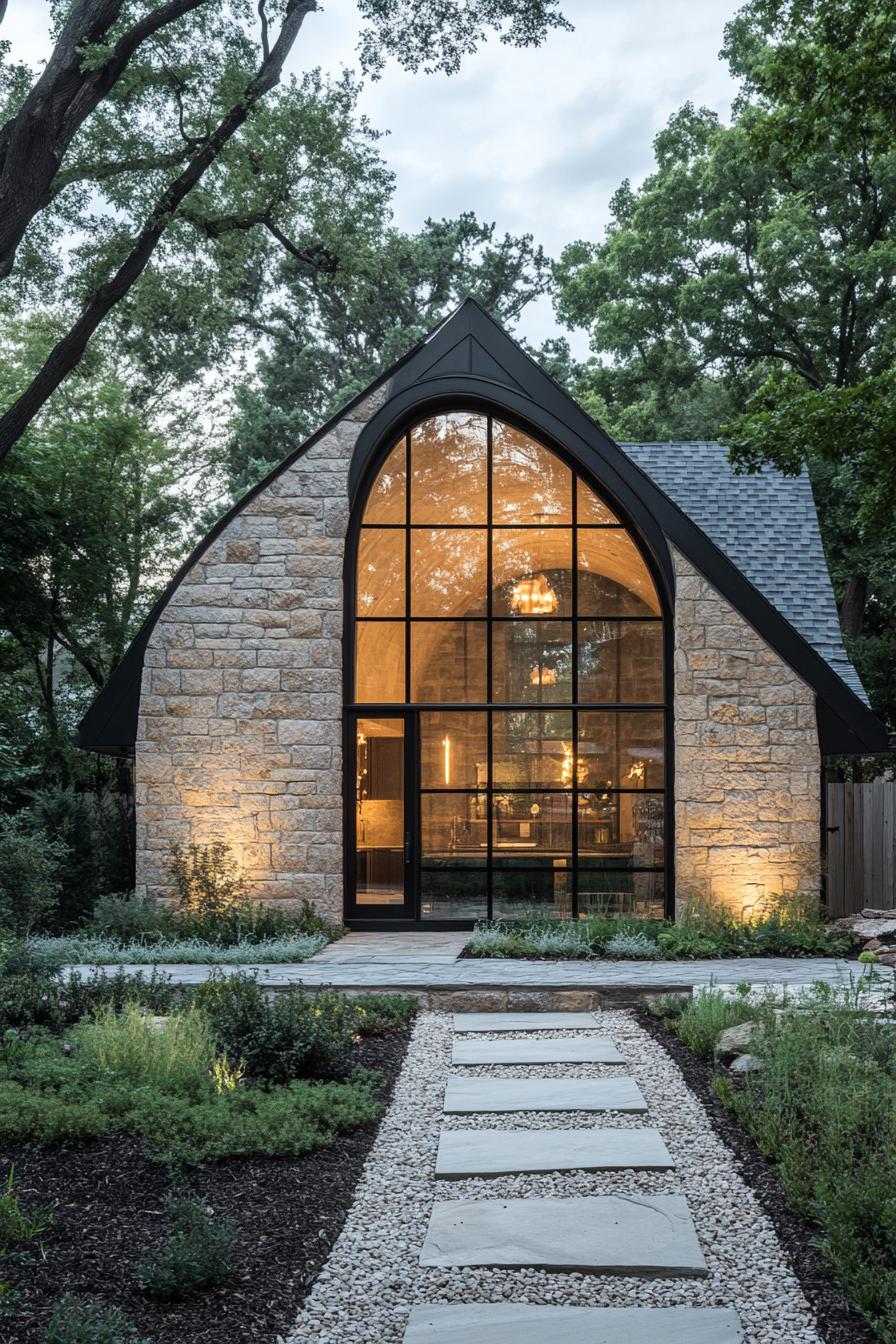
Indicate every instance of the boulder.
{"type": "Point", "coordinates": [868, 924]}
{"type": "Point", "coordinates": [745, 1064]}
{"type": "Point", "coordinates": [735, 1041]}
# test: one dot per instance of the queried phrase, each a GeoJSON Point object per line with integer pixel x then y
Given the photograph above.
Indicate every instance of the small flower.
{"type": "Point", "coordinates": [317, 1012]}
{"type": "Point", "coordinates": [66, 1048]}
{"type": "Point", "coordinates": [63, 1003]}
{"type": "Point", "coordinates": [45, 998]}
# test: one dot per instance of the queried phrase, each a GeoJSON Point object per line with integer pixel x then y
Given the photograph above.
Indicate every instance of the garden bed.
{"type": "Point", "coordinates": [108, 1202]}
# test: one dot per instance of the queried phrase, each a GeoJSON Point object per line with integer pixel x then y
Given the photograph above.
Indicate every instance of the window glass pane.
{"type": "Point", "coordinates": [449, 466]}
{"type": "Point", "coordinates": [448, 661]}
{"type": "Point", "coordinates": [531, 571]}
{"type": "Point", "coordinates": [531, 662]}
{"type": "Point", "coordinates": [591, 508]}
{"type": "Point", "coordinates": [453, 895]}
{"type": "Point", "coordinates": [453, 750]}
{"type": "Point", "coordinates": [448, 571]}
{"type": "Point", "coordinates": [381, 572]}
{"type": "Point", "coordinates": [621, 661]}
{"type": "Point", "coordinates": [621, 830]}
{"type": "Point", "coordinates": [518, 893]}
{"type": "Point", "coordinates": [613, 578]}
{"type": "Point", "coordinates": [379, 662]}
{"type": "Point", "coordinates": [623, 751]}
{"type": "Point", "coordinates": [529, 483]}
{"type": "Point", "coordinates": [453, 828]}
{"type": "Point", "coordinates": [605, 893]}
{"type": "Point", "coordinates": [379, 811]}
{"type": "Point", "coordinates": [535, 825]}
{"type": "Point", "coordinates": [532, 749]}
{"type": "Point", "coordinates": [386, 501]}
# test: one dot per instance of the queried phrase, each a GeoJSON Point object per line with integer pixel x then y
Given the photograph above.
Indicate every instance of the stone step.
{"type": "Point", "coordinates": [591, 1050]}
{"type": "Point", "coordinates": [497, 1096]}
{"type": "Point", "coordinates": [650, 1236]}
{"type": "Point", "coordinates": [502, 1152]}
{"type": "Point", "coordinates": [504, 1323]}
{"type": "Point", "coordinates": [466, 1022]}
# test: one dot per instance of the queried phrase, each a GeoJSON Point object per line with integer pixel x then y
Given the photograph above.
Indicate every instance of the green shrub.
{"type": "Point", "coordinates": [710, 1013]}
{"type": "Point", "coordinates": [196, 1255]}
{"type": "Point", "coordinates": [31, 994]}
{"type": "Point", "coordinates": [207, 879]}
{"type": "Point", "coordinates": [78, 1320]}
{"type": "Point", "coordinates": [29, 883]}
{"type": "Point", "coordinates": [127, 917]}
{"type": "Point", "coordinates": [288, 1035]}
{"type": "Point", "coordinates": [380, 1014]}
{"type": "Point", "coordinates": [93, 831]}
{"type": "Point", "coordinates": [632, 946]}
{"type": "Point", "coordinates": [176, 1057]}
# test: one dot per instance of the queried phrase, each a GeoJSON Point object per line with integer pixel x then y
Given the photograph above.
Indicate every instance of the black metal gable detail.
{"type": "Point", "coordinates": [471, 360]}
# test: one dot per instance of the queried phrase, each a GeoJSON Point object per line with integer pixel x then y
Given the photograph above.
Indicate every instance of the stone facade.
{"type": "Point", "coordinates": [747, 760]}
{"type": "Point", "coordinates": [240, 728]}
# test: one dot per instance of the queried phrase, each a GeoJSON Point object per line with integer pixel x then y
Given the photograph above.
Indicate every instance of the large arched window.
{"type": "Point", "coordinates": [500, 602]}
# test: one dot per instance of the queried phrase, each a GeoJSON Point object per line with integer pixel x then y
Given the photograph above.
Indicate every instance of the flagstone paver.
{"type": "Point", "coordinates": [499, 1152]}
{"type": "Point", "coordinates": [560, 1050]}
{"type": "Point", "coordinates": [607, 1234]}
{"type": "Point", "coordinates": [512, 1323]}
{"type": "Point", "coordinates": [484, 1096]}
{"type": "Point", "coordinates": [471, 1022]}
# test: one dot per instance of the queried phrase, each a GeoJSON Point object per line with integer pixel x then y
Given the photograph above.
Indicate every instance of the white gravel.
{"type": "Point", "coordinates": [372, 1277]}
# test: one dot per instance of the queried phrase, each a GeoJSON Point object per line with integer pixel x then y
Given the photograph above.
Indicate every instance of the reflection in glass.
{"type": "Point", "coordinates": [529, 483]}
{"type": "Point", "coordinates": [518, 893]}
{"type": "Point", "coordinates": [621, 662]}
{"type": "Point", "coordinates": [448, 662]}
{"type": "Point", "coordinates": [621, 751]}
{"type": "Point", "coordinates": [379, 662]}
{"type": "Point", "coordinates": [386, 502]}
{"type": "Point", "coordinates": [532, 749]}
{"type": "Point", "coordinates": [453, 749]}
{"type": "Point", "coordinates": [531, 662]}
{"type": "Point", "coordinates": [641, 895]}
{"type": "Point", "coordinates": [591, 508]}
{"type": "Point", "coordinates": [531, 571]}
{"type": "Point", "coordinates": [453, 828]}
{"type": "Point", "coordinates": [449, 470]}
{"type": "Point", "coordinates": [613, 578]}
{"type": "Point", "coordinates": [379, 811]}
{"type": "Point", "coordinates": [380, 572]}
{"type": "Point", "coordinates": [621, 830]}
{"type": "Point", "coordinates": [531, 824]}
{"type": "Point", "coordinates": [448, 571]}
{"type": "Point", "coordinates": [453, 895]}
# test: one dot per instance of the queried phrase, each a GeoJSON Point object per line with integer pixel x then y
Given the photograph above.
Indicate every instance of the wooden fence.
{"type": "Point", "coordinates": [861, 825]}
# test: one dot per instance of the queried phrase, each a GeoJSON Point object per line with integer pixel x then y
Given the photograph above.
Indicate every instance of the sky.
{"type": "Point", "coordinates": [535, 141]}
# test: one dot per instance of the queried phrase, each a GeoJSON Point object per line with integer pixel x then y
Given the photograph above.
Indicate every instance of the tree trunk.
{"type": "Point", "coordinates": [853, 604]}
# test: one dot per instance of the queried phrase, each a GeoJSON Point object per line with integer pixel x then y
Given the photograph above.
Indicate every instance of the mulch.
{"type": "Point", "coordinates": [837, 1320]}
{"type": "Point", "coordinates": [108, 1205]}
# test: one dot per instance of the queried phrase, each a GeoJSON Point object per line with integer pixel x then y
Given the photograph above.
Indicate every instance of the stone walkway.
{"type": "Point", "coordinates": [483, 1223]}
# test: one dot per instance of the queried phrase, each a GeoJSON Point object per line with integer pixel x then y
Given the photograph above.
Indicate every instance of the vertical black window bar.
{"type": "Point", "coordinates": [408, 684]}
{"type": "Point", "coordinates": [489, 672]}
{"type": "Point", "coordinates": [574, 849]}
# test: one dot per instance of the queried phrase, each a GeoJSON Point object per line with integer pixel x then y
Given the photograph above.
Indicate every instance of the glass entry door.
{"type": "Point", "coordinates": [382, 824]}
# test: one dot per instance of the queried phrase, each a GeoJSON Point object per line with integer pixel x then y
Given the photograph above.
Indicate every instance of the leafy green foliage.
{"type": "Point", "coordinates": [208, 880]}
{"type": "Point", "coordinates": [197, 1254]}
{"type": "Point", "coordinates": [78, 1320]}
{"type": "Point", "coordinates": [380, 1014]}
{"type": "Point", "coordinates": [705, 1017]}
{"type": "Point", "coordinates": [16, 1226]}
{"type": "Point", "coordinates": [174, 1056]}
{"type": "Point", "coordinates": [29, 883]}
{"type": "Point", "coordinates": [32, 995]}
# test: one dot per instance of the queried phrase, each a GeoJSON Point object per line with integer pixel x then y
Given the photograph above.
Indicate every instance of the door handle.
{"type": "Point", "coordinates": [407, 846]}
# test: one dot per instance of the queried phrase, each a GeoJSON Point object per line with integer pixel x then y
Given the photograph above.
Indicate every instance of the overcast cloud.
{"type": "Point", "coordinates": [536, 141]}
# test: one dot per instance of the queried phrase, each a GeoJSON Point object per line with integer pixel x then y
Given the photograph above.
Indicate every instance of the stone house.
{"type": "Point", "coordinates": [460, 654]}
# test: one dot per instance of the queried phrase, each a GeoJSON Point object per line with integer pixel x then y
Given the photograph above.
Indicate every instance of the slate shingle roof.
{"type": "Point", "coordinates": [767, 525]}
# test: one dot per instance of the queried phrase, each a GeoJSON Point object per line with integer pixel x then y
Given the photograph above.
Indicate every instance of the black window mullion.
{"type": "Point", "coordinates": [489, 668]}
{"type": "Point", "coordinates": [407, 569]}
{"type": "Point", "coordinates": [574, 879]}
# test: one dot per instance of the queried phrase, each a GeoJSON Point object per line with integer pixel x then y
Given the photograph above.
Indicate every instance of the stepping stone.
{"type": "Point", "coordinates": [500, 1323]}
{"type": "Point", "coordinates": [593, 1050]}
{"type": "Point", "coordinates": [483, 1096]}
{"type": "Point", "coordinates": [646, 1235]}
{"type": "Point", "coordinates": [525, 1021]}
{"type": "Point", "coordinates": [503, 1152]}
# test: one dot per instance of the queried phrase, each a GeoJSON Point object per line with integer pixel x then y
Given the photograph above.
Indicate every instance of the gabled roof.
{"type": "Point", "coordinates": [768, 525]}
{"type": "Point", "coordinates": [469, 359]}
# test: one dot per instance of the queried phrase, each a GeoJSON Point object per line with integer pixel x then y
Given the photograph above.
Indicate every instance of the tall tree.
{"type": "Point", "coordinates": [142, 100]}
{"type": "Point", "coordinates": [325, 337]}
{"type": "Point", "coordinates": [758, 260]}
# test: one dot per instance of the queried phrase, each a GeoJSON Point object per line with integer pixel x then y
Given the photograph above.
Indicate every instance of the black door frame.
{"type": "Point", "coordinates": [369, 915]}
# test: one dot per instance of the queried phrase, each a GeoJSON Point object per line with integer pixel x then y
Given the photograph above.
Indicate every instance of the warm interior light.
{"type": "Point", "coordinates": [533, 597]}
{"type": "Point", "coordinates": [569, 763]}
{"type": "Point", "coordinates": [542, 676]}
{"type": "Point", "coordinates": [637, 771]}
{"type": "Point", "coordinates": [446, 748]}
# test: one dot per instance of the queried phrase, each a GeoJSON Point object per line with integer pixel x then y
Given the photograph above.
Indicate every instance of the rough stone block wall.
{"type": "Point", "coordinates": [240, 730]}
{"type": "Point", "coordinates": [747, 761]}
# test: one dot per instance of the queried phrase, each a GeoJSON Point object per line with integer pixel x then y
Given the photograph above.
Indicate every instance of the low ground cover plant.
{"type": "Point", "coordinates": [822, 1106]}
{"type": "Point", "coordinates": [78, 1320]}
{"type": "Point", "coordinates": [792, 927]}
{"type": "Point", "coordinates": [196, 1253]}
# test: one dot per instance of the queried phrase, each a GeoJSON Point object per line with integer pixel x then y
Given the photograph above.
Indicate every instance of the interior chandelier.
{"type": "Point", "coordinates": [533, 596]}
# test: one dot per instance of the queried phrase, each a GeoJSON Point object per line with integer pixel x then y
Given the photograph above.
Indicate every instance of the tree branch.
{"type": "Point", "coordinates": [68, 351]}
